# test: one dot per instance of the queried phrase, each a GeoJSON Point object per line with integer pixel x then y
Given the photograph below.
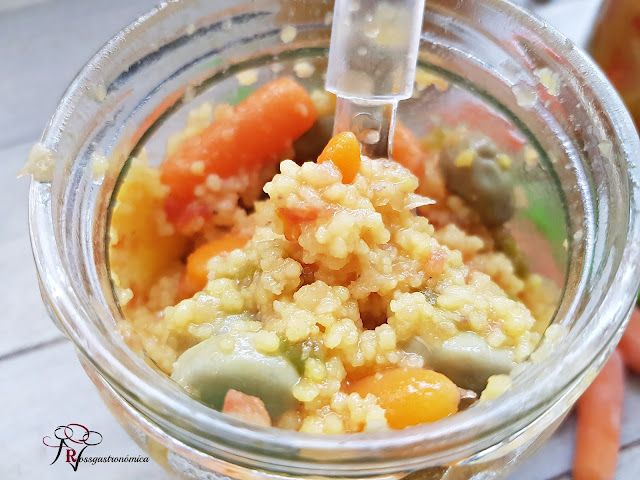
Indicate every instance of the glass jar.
{"type": "Point", "coordinates": [515, 71]}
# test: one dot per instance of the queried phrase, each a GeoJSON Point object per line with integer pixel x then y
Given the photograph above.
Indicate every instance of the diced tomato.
{"type": "Point", "coordinates": [246, 407]}
{"type": "Point", "coordinates": [293, 219]}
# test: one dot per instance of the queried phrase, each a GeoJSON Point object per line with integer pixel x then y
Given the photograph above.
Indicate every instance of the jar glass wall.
{"type": "Point", "coordinates": [581, 211]}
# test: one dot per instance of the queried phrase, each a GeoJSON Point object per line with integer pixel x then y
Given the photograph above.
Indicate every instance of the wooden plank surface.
{"type": "Point", "coordinates": [49, 388]}
{"type": "Point", "coordinates": [43, 43]}
{"type": "Point", "coordinates": [42, 47]}
{"type": "Point", "coordinates": [26, 323]}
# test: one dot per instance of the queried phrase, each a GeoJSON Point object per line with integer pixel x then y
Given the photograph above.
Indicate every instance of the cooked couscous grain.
{"type": "Point", "coordinates": [336, 280]}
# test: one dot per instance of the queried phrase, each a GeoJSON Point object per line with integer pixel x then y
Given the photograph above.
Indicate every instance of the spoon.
{"type": "Point", "coordinates": [372, 64]}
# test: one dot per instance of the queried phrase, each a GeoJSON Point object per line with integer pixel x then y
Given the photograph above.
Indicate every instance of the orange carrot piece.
{"type": "Point", "coordinates": [197, 262]}
{"type": "Point", "coordinates": [408, 152]}
{"type": "Point", "coordinates": [246, 407]}
{"type": "Point", "coordinates": [410, 396]}
{"type": "Point", "coordinates": [630, 344]}
{"type": "Point", "coordinates": [260, 128]}
{"type": "Point", "coordinates": [294, 218]}
{"type": "Point", "coordinates": [599, 423]}
{"type": "Point", "coordinates": [343, 150]}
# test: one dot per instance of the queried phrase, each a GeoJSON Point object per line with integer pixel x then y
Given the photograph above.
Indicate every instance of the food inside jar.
{"type": "Point", "coordinates": [359, 295]}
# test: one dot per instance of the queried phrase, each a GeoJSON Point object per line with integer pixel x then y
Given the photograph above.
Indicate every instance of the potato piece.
{"type": "Point", "coordinates": [471, 170]}
{"type": "Point", "coordinates": [230, 361]}
{"type": "Point", "coordinates": [465, 358]}
{"type": "Point", "coordinates": [142, 245]}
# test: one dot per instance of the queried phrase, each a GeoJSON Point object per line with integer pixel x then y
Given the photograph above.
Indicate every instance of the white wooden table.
{"type": "Point", "coordinates": [43, 43]}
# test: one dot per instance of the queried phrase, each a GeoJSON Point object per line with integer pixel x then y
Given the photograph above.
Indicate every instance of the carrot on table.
{"type": "Point", "coordinates": [599, 423]}
{"type": "Point", "coordinates": [261, 127]}
{"type": "Point", "coordinates": [343, 150]}
{"type": "Point", "coordinates": [410, 396]}
{"type": "Point", "coordinates": [630, 344]}
{"type": "Point", "coordinates": [198, 260]}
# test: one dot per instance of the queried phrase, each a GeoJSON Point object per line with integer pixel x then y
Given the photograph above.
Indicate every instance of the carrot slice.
{"type": "Point", "coordinates": [599, 423]}
{"type": "Point", "coordinates": [411, 396]}
{"type": "Point", "coordinates": [197, 262]}
{"type": "Point", "coordinates": [260, 128]}
{"type": "Point", "coordinates": [343, 150]}
{"type": "Point", "coordinates": [246, 407]}
{"type": "Point", "coordinates": [630, 344]}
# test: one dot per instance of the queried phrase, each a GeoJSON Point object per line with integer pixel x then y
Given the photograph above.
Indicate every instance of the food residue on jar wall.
{"type": "Point", "coordinates": [40, 163]}
{"type": "Point", "coordinates": [98, 91]}
{"type": "Point", "coordinates": [99, 164]}
{"type": "Point", "coordinates": [189, 94]}
{"type": "Point", "coordinates": [247, 77]}
{"type": "Point", "coordinates": [288, 34]}
{"type": "Point", "coordinates": [303, 69]}
{"type": "Point", "coordinates": [550, 80]}
{"type": "Point", "coordinates": [606, 149]}
{"type": "Point", "coordinates": [328, 18]}
{"type": "Point", "coordinates": [525, 96]}
{"type": "Point", "coordinates": [531, 157]}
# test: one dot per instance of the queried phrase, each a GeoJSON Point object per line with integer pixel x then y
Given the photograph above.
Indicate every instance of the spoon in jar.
{"type": "Point", "coordinates": [372, 65]}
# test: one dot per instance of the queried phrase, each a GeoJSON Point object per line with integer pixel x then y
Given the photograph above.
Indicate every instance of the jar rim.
{"type": "Point", "coordinates": [464, 434]}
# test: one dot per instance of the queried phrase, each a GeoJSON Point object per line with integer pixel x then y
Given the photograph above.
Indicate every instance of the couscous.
{"type": "Point", "coordinates": [357, 295]}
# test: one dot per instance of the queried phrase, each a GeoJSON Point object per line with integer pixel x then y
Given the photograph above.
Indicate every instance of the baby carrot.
{"type": "Point", "coordinates": [343, 151]}
{"type": "Point", "coordinates": [599, 422]}
{"type": "Point", "coordinates": [630, 344]}
{"type": "Point", "coordinates": [197, 262]}
{"type": "Point", "coordinates": [260, 128]}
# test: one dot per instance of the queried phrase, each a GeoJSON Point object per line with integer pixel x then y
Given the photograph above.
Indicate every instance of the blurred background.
{"type": "Point", "coordinates": [43, 44]}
